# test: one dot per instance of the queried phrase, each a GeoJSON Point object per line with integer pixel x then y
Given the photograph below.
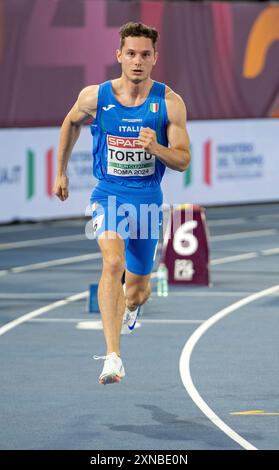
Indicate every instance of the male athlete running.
{"type": "Point", "coordinates": [139, 128]}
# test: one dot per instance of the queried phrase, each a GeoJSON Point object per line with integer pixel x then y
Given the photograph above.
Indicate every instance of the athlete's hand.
{"type": "Point", "coordinates": [61, 187]}
{"type": "Point", "coordinates": [148, 140]}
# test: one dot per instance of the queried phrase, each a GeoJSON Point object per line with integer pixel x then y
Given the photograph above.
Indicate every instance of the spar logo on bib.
{"type": "Point", "coordinates": [126, 157]}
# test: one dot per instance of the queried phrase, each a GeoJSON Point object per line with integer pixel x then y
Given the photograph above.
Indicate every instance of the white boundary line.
{"type": "Point", "coordinates": [185, 357]}
{"type": "Point", "coordinates": [39, 311]}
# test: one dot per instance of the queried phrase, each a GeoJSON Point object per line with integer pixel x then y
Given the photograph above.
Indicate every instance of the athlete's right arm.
{"type": "Point", "coordinates": [84, 108]}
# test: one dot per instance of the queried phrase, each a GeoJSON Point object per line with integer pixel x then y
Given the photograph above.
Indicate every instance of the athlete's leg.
{"type": "Point", "coordinates": [137, 290]}
{"type": "Point", "coordinates": [140, 255]}
{"type": "Point", "coordinates": [110, 291]}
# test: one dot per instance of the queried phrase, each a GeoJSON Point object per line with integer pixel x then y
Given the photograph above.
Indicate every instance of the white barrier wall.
{"type": "Point", "coordinates": [232, 162]}
{"type": "Point", "coordinates": [27, 173]}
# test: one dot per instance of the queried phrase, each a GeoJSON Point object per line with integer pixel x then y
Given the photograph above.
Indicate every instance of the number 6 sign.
{"type": "Point", "coordinates": [185, 248]}
{"type": "Point", "coordinates": [184, 241]}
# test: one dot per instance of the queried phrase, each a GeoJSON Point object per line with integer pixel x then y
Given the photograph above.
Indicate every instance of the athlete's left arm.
{"type": "Point", "coordinates": [177, 156]}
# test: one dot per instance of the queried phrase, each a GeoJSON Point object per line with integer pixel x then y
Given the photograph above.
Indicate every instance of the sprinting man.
{"type": "Point", "coordinates": [139, 128]}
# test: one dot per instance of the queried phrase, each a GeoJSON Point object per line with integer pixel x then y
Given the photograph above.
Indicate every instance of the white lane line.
{"type": "Point", "coordinates": [61, 303]}
{"type": "Point", "coordinates": [20, 228]}
{"type": "Point", "coordinates": [59, 320]}
{"type": "Point", "coordinates": [81, 320]}
{"type": "Point", "coordinates": [72, 238]}
{"type": "Point", "coordinates": [267, 216]}
{"type": "Point", "coordinates": [42, 241]}
{"type": "Point", "coordinates": [270, 251]}
{"type": "Point", "coordinates": [238, 236]}
{"type": "Point", "coordinates": [205, 294]}
{"type": "Point", "coordinates": [31, 295]}
{"type": "Point", "coordinates": [252, 254]}
{"type": "Point", "coordinates": [4, 272]}
{"type": "Point", "coordinates": [184, 364]}
{"type": "Point", "coordinates": [39, 311]}
{"type": "Point", "coordinates": [223, 222]}
{"type": "Point", "coordinates": [45, 295]}
{"type": "Point", "coordinates": [240, 220]}
{"type": "Point", "coordinates": [88, 257]}
{"type": "Point", "coordinates": [79, 221]}
{"type": "Point", "coordinates": [57, 295]}
{"type": "Point", "coordinates": [48, 224]}
{"type": "Point", "coordinates": [82, 258]}
{"type": "Point", "coordinates": [169, 321]}
{"type": "Point", "coordinates": [98, 325]}
{"type": "Point", "coordinates": [49, 264]}
{"type": "Point", "coordinates": [232, 259]}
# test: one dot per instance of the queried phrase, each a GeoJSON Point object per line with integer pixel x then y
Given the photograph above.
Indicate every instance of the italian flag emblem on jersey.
{"type": "Point", "coordinates": [154, 107]}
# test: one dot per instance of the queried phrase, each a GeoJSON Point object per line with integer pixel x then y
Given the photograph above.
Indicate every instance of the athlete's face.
{"type": "Point", "coordinates": [137, 58]}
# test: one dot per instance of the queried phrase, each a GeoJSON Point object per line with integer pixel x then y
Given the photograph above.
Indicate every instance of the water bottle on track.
{"type": "Point", "coordinates": [162, 281]}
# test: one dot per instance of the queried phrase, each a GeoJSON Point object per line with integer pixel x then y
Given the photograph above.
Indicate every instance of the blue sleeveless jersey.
{"type": "Point", "coordinates": [117, 154]}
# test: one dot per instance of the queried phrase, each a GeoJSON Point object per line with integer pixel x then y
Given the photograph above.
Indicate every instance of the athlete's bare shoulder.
{"type": "Point", "coordinates": [88, 100]}
{"type": "Point", "coordinates": [176, 107]}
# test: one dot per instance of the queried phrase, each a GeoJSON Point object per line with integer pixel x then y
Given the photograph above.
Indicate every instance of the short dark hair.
{"type": "Point", "coordinates": [138, 30]}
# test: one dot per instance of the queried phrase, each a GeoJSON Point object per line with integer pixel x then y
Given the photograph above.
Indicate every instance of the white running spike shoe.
{"type": "Point", "coordinates": [130, 320]}
{"type": "Point", "coordinates": [113, 370]}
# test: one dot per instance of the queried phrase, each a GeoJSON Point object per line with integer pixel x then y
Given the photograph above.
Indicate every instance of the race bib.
{"type": "Point", "coordinates": [126, 157]}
